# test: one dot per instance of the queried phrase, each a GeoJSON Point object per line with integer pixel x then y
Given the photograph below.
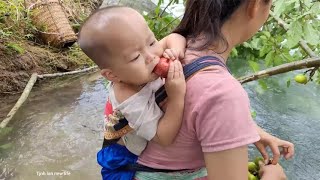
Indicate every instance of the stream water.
{"type": "Point", "coordinates": [58, 129]}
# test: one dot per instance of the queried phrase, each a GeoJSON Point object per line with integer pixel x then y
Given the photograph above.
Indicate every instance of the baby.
{"type": "Point", "coordinates": [120, 42]}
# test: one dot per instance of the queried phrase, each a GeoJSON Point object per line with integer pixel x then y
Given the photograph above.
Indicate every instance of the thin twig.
{"type": "Point", "coordinates": [164, 10]}
{"type": "Point", "coordinates": [302, 64]}
{"type": "Point", "coordinates": [168, 25]}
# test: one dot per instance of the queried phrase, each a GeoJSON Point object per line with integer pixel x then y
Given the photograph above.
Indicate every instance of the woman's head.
{"type": "Point", "coordinates": [208, 17]}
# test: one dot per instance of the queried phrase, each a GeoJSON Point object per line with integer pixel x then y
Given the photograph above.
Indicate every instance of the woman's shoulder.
{"type": "Point", "coordinates": [214, 80]}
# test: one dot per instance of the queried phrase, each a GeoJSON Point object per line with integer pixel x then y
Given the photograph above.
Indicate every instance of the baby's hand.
{"type": "Point", "coordinates": [175, 82]}
{"type": "Point", "coordinates": [173, 54]}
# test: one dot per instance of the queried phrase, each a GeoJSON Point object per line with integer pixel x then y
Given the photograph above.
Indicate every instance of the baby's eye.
{"type": "Point", "coordinates": [136, 58]}
{"type": "Point", "coordinates": [151, 44]}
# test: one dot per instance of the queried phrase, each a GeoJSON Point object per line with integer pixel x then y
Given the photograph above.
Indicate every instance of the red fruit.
{"type": "Point", "coordinates": [162, 67]}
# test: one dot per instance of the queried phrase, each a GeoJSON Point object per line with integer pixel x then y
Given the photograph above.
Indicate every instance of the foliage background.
{"type": "Point", "coordinates": [272, 45]}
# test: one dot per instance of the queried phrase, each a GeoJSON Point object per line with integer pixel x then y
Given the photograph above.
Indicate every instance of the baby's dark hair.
{"type": "Point", "coordinates": [94, 48]}
{"type": "Point", "coordinates": [207, 16]}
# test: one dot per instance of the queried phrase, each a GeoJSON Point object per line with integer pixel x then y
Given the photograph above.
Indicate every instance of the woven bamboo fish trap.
{"type": "Point", "coordinates": [51, 21]}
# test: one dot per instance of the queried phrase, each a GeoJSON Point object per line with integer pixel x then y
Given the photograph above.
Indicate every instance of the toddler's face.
{"type": "Point", "coordinates": [136, 53]}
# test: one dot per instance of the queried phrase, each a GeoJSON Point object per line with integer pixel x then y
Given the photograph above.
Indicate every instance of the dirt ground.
{"type": "Point", "coordinates": [16, 69]}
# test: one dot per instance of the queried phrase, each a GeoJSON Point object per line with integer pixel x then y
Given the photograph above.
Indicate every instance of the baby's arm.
{"type": "Point", "coordinates": [170, 123]}
{"type": "Point", "coordinates": [174, 45]}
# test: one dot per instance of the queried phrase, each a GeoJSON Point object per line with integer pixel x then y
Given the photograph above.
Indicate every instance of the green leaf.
{"type": "Point", "coordinates": [295, 34]}
{"type": "Point", "coordinates": [308, 3]}
{"type": "Point", "coordinates": [288, 82]}
{"type": "Point", "coordinates": [5, 131]}
{"type": "Point", "coordinates": [254, 66]}
{"type": "Point", "coordinates": [315, 8]}
{"type": "Point", "coordinates": [310, 34]}
{"type": "Point", "coordinates": [263, 84]}
{"type": "Point", "coordinates": [255, 43]}
{"type": "Point", "coordinates": [6, 146]}
{"type": "Point", "coordinates": [269, 58]}
{"type": "Point", "coordinates": [234, 52]}
{"type": "Point", "coordinates": [265, 49]}
{"type": "Point", "coordinates": [15, 47]}
{"type": "Point", "coordinates": [287, 56]}
{"type": "Point", "coordinates": [266, 33]}
{"type": "Point", "coordinates": [157, 10]}
{"type": "Point", "coordinates": [253, 114]}
{"type": "Point", "coordinates": [278, 60]}
{"type": "Point", "coordinates": [247, 45]}
{"type": "Point", "coordinates": [279, 7]}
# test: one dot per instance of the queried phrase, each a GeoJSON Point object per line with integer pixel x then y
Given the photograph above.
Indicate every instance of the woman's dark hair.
{"type": "Point", "coordinates": [206, 16]}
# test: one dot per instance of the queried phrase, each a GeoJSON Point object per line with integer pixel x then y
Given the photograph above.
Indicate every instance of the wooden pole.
{"type": "Point", "coordinates": [21, 100]}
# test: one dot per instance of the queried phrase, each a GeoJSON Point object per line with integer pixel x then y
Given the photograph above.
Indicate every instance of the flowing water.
{"type": "Point", "coordinates": [58, 129]}
{"type": "Point", "coordinates": [292, 114]}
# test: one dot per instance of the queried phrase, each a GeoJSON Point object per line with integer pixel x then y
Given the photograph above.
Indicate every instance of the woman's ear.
{"type": "Point", "coordinates": [252, 8]}
{"type": "Point", "coordinates": [109, 75]}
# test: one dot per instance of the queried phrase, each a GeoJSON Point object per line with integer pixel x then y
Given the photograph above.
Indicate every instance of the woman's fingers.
{"type": "Point", "coordinates": [287, 149]}
{"type": "Point", "coordinates": [263, 152]}
{"type": "Point", "coordinates": [276, 153]}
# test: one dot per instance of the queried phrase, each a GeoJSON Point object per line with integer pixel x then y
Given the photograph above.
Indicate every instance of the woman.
{"type": "Point", "coordinates": [217, 125]}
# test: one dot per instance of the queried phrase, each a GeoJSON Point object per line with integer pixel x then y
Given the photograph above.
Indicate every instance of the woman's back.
{"type": "Point", "coordinates": [216, 117]}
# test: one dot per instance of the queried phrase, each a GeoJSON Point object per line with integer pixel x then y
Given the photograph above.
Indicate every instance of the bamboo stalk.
{"type": "Point", "coordinates": [302, 64]}
{"type": "Point", "coordinates": [302, 42]}
{"type": "Point", "coordinates": [21, 100]}
{"type": "Point", "coordinates": [67, 73]}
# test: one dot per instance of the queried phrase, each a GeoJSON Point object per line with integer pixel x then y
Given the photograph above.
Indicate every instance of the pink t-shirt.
{"type": "Point", "coordinates": [216, 117]}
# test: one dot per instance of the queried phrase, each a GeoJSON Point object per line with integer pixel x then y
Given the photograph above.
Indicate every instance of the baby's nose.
{"type": "Point", "coordinates": [150, 58]}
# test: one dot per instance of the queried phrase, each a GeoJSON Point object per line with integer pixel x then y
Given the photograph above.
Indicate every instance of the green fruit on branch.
{"type": "Point", "coordinates": [301, 78]}
{"type": "Point", "coordinates": [252, 167]}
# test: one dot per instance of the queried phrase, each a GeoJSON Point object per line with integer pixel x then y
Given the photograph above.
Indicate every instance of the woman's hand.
{"type": "Point", "coordinates": [271, 172]}
{"type": "Point", "coordinates": [274, 143]}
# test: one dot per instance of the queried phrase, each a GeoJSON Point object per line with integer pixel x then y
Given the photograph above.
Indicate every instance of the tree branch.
{"type": "Point", "coordinates": [302, 42]}
{"type": "Point", "coordinates": [302, 64]}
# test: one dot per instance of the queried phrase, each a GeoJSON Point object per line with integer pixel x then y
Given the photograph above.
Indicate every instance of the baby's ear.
{"type": "Point", "coordinates": [109, 75]}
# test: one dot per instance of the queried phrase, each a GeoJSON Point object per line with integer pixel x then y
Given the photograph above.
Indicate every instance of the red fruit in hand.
{"type": "Point", "coordinates": [162, 67]}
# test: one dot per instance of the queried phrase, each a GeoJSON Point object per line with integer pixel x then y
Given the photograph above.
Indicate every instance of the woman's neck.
{"type": "Point", "coordinates": [224, 48]}
{"type": "Point", "coordinates": [233, 31]}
